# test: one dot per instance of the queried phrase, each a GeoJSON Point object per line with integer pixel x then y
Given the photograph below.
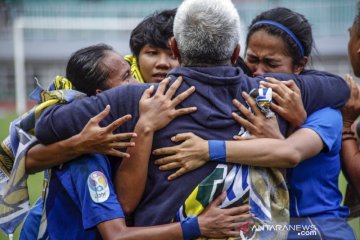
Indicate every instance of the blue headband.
{"type": "Point", "coordinates": [285, 29]}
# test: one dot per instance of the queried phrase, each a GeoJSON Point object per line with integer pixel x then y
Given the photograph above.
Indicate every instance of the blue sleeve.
{"type": "Point", "coordinates": [327, 123]}
{"type": "Point", "coordinates": [319, 89]}
{"type": "Point", "coordinates": [88, 182]}
{"type": "Point", "coordinates": [65, 120]}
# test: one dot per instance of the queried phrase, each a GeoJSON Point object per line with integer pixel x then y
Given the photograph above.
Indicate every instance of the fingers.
{"type": "Point", "coordinates": [184, 111]}
{"type": "Point", "coordinates": [117, 123]}
{"type": "Point", "coordinates": [277, 98]}
{"type": "Point", "coordinates": [118, 145]}
{"type": "Point", "coordinates": [252, 103]}
{"type": "Point", "coordinates": [349, 80]}
{"type": "Point", "coordinates": [218, 200]}
{"type": "Point", "coordinates": [243, 122]}
{"type": "Point", "coordinates": [165, 160]}
{"type": "Point", "coordinates": [162, 86]}
{"type": "Point", "coordinates": [292, 85]}
{"type": "Point", "coordinates": [117, 153]}
{"type": "Point", "coordinates": [243, 209]}
{"type": "Point", "coordinates": [184, 95]}
{"type": "Point", "coordinates": [237, 137]}
{"type": "Point", "coordinates": [182, 137]}
{"type": "Point", "coordinates": [178, 173]}
{"type": "Point", "coordinates": [273, 80]}
{"type": "Point", "coordinates": [170, 166]}
{"type": "Point", "coordinates": [98, 118]}
{"type": "Point", "coordinates": [122, 136]}
{"type": "Point", "coordinates": [165, 151]}
{"type": "Point", "coordinates": [276, 108]}
{"type": "Point", "coordinates": [242, 108]}
{"type": "Point", "coordinates": [147, 93]}
{"type": "Point", "coordinates": [241, 218]}
{"type": "Point", "coordinates": [175, 86]}
{"type": "Point", "coordinates": [275, 84]}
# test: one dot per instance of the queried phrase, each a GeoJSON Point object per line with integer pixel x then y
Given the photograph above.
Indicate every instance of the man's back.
{"type": "Point", "coordinates": [216, 87]}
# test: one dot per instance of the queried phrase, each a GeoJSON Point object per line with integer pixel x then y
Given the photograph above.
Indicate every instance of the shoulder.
{"type": "Point", "coordinates": [325, 115]}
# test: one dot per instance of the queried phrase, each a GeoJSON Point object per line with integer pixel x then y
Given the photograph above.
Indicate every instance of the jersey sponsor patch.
{"type": "Point", "coordinates": [98, 187]}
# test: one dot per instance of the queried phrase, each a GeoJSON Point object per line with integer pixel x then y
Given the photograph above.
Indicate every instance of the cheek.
{"type": "Point", "coordinates": [174, 63]}
{"type": "Point", "coordinates": [251, 66]}
{"type": "Point", "coordinates": [283, 69]}
{"type": "Point", "coordinates": [145, 64]}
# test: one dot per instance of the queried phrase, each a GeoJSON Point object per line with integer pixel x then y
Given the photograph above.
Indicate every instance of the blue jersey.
{"type": "Point", "coordinates": [315, 198]}
{"type": "Point", "coordinates": [81, 195]}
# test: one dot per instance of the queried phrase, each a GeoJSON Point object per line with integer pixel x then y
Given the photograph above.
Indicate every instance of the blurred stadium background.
{"type": "Point", "coordinates": [38, 36]}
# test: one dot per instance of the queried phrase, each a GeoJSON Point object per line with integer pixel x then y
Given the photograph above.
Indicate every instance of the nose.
{"type": "Point", "coordinates": [163, 61]}
{"type": "Point", "coordinates": [258, 70]}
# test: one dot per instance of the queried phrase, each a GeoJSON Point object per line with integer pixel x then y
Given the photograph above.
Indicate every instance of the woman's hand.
{"type": "Point", "coordinates": [191, 154]}
{"type": "Point", "coordinates": [159, 110]}
{"type": "Point", "coordinates": [255, 122]}
{"type": "Point", "coordinates": [288, 100]}
{"type": "Point", "coordinates": [96, 139]}
{"type": "Point", "coordinates": [351, 110]}
{"type": "Point", "coordinates": [215, 222]}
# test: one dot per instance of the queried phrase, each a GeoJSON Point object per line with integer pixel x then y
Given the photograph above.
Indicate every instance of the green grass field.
{"type": "Point", "coordinates": [35, 181]}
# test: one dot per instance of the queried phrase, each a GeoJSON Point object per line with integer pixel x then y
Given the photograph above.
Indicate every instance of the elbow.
{"type": "Point", "coordinates": [291, 159]}
{"type": "Point", "coordinates": [128, 208]}
{"type": "Point", "coordinates": [30, 167]}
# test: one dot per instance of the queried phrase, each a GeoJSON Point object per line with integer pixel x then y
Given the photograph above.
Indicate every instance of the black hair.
{"type": "Point", "coordinates": [86, 71]}
{"type": "Point", "coordinates": [295, 22]}
{"type": "Point", "coordinates": [357, 20]}
{"type": "Point", "coordinates": [240, 63]}
{"type": "Point", "coordinates": [155, 30]}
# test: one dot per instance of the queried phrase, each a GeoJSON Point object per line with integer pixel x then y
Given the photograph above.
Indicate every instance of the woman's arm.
{"type": "Point", "coordinates": [214, 222]}
{"type": "Point", "coordinates": [349, 150]}
{"type": "Point", "coordinates": [134, 169]}
{"type": "Point", "coordinates": [262, 152]}
{"type": "Point", "coordinates": [92, 139]}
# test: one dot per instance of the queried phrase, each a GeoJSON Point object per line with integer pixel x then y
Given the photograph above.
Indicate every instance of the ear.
{"type": "Point", "coordinates": [175, 49]}
{"type": "Point", "coordinates": [300, 67]}
{"type": "Point", "coordinates": [98, 91]}
{"type": "Point", "coordinates": [235, 54]}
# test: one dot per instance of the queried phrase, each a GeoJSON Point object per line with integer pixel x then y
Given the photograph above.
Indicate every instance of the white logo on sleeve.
{"type": "Point", "coordinates": [98, 187]}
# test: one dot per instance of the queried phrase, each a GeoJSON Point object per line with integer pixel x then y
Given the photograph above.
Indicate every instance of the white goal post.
{"type": "Point", "coordinates": [55, 23]}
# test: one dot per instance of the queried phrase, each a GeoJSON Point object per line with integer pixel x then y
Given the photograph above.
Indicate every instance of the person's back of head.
{"type": "Point", "coordinates": [155, 30]}
{"type": "Point", "coordinates": [91, 69]}
{"type": "Point", "coordinates": [354, 43]}
{"type": "Point", "coordinates": [292, 27]}
{"type": "Point", "coordinates": [207, 32]}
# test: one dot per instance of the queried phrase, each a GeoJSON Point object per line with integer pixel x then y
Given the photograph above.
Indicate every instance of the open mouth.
{"type": "Point", "coordinates": [158, 77]}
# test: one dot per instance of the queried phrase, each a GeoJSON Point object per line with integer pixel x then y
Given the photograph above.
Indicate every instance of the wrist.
{"type": "Point", "coordinates": [347, 124]}
{"type": "Point", "coordinates": [190, 228]}
{"type": "Point", "coordinates": [217, 150]}
{"type": "Point", "coordinates": [73, 145]}
{"type": "Point", "coordinates": [299, 121]}
{"type": "Point", "coordinates": [144, 127]}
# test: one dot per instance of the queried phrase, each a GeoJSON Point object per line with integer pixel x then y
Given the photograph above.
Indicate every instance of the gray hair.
{"type": "Point", "coordinates": [207, 32]}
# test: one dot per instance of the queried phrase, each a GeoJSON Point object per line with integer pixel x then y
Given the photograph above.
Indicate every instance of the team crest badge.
{"type": "Point", "coordinates": [98, 187]}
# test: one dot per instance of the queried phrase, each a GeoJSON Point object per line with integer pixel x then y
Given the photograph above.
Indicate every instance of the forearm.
{"type": "Point", "coordinates": [134, 169]}
{"type": "Point", "coordinates": [116, 229]}
{"type": "Point", "coordinates": [167, 231]}
{"type": "Point", "coordinates": [262, 152]}
{"type": "Point", "coordinates": [265, 152]}
{"type": "Point", "coordinates": [41, 157]}
{"type": "Point", "coordinates": [351, 161]}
